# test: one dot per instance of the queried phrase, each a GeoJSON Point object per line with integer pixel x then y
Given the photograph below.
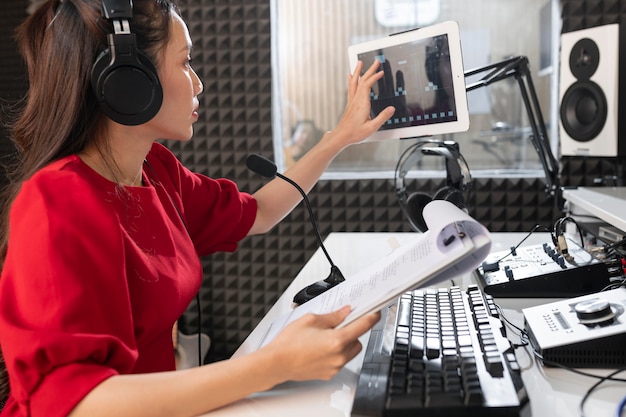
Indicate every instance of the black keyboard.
{"type": "Point", "coordinates": [440, 352]}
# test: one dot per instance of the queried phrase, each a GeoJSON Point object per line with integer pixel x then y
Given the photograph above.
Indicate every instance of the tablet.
{"type": "Point", "coordinates": [424, 80]}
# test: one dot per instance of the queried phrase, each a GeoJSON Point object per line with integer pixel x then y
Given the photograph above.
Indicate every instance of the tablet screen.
{"type": "Point", "coordinates": [423, 80]}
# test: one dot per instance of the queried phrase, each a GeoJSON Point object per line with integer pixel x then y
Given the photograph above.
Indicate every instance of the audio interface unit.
{"type": "Point", "coordinates": [540, 271]}
{"type": "Point", "coordinates": [583, 332]}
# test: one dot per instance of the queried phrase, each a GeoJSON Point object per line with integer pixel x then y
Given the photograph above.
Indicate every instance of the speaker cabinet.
{"type": "Point", "coordinates": [589, 92]}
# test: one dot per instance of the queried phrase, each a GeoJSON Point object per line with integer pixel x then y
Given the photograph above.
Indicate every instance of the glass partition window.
{"type": "Point", "coordinates": [310, 52]}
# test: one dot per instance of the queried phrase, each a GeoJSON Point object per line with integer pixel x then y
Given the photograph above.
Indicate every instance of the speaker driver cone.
{"type": "Point", "coordinates": [583, 110]}
{"type": "Point", "coordinates": [584, 59]}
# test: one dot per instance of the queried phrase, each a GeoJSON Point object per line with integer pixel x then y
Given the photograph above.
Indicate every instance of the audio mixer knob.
{"type": "Point", "coordinates": [594, 311]}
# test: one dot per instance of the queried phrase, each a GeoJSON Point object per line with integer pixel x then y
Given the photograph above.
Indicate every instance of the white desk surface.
{"type": "Point", "coordinates": [605, 203]}
{"type": "Point", "coordinates": [552, 392]}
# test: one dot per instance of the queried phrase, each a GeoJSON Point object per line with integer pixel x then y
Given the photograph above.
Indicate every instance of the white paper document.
{"type": "Point", "coordinates": [454, 244]}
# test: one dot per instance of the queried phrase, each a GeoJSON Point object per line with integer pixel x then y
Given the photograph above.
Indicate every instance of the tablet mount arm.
{"type": "Point", "coordinates": [518, 67]}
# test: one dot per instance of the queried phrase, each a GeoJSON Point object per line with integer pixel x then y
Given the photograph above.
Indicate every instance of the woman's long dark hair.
{"type": "Point", "coordinates": [60, 115]}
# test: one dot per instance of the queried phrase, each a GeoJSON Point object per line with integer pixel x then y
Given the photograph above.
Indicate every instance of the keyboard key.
{"type": "Point", "coordinates": [464, 340]}
{"type": "Point", "coordinates": [416, 366]}
{"type": "Point", "coordinates": [513, 364]}
{"type": "Point", "coordinates": [404, 402]}
{"type": "Point", "coordinates": [473, 395]}
{"type": "Point", "coordinates": [433, 347]}
{"type": "Point", "coordinates": [442, 399]}
{"type": "Point", "coordinates": [417, 347]}
{"type": "Point", "coordinates": [448, 343]}
{"type": "Point", "coordinates": [494, 364]}
{"type": "Point", "coordinates": [404, 313]}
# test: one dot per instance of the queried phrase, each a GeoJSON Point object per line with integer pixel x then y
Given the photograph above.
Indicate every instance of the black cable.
{"type": "Point", "coordinates": [615, 245]}
{"type": "Point", "coordinates": [581, 410]}
{"type": "Point", "coordinates": [559, 228]}
{"type": "Point", "coordinates": [514, 326]}
{"type": "Point", "coordinates": [510, 323]}
{"type": "Point", "coordinates": [533, 230]}
{"type": "Point", "coordinates": [601, 379]}
{"type": "Point", "coordinates": [615, 285]}
{"type": "Point", "coordinates": [199, 328]}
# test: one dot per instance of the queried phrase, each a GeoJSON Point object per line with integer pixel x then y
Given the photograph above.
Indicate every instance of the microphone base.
{"type": "Point", "coordinates": [311, 291]}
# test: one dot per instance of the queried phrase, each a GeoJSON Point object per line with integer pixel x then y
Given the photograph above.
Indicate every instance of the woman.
{"type": "Point", "coordinates": [100, 251]}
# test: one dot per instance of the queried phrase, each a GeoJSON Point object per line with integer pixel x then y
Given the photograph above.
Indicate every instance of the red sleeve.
{"type": "Point", "coordinates": [217, 214]}
{"type": "Point", "coordinates": [63, 339]}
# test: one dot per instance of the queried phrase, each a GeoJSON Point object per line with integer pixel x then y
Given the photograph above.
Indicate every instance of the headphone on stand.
{"type": "Point", "coordinates": [124, 80]}
{"type": "Point", "coordinates": [458, 180]}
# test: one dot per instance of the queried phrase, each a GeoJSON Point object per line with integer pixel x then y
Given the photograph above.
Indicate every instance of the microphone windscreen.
{"type": "Point", "coordinates": [261, 165]}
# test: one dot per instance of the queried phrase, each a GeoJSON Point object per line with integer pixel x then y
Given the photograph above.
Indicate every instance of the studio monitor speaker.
{"type": "Point", "coordinates": [589, 92]}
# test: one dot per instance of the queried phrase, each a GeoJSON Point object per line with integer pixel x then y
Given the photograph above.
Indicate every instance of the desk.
{"type": "Point", "coordinates": [605, 203]}
{"type": "Point", "coordinates": [552, 392]}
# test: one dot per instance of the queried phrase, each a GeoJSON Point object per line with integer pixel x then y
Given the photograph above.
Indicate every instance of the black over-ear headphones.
{"type": "Point", "coordinates": [125, 81]}
{"type": "Point", "coordinates": [458, 180]}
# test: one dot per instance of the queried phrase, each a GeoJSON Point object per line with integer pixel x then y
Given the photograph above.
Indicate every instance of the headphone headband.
{"type": "Point", "coordinates": [117, 9]}
{"type": "Point", "coordinates": [124, 80]}
{"type": "Point", "coordinates": [458, 179]}
{"type": "Point", "coordinates": [457, 171]}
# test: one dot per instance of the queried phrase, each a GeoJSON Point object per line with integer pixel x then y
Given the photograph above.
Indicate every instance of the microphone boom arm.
{"type": "Point", "coordinates": [518, 67]}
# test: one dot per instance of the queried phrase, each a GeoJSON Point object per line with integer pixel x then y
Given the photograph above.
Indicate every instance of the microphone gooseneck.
{"type": "Point", "coordinates": [263, 166]}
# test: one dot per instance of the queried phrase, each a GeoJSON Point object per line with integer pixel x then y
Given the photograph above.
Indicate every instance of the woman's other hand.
{"type": "Point", "coordinates": [313, 348]}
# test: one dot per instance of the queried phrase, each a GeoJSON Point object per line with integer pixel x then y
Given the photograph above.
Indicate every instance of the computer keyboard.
{"type": "Point", "coordinates": [440, 352]}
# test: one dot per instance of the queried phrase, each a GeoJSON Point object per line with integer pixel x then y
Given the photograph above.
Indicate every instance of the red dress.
{"type": "Point", "coordinates": [95, 278]}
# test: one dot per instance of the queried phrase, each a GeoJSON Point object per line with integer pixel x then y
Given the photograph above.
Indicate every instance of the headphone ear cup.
{"type": "Point", "coordinates": [415, 204]}
{"type": "Point", "coordinates": [451, 194]}
{"type": "Point", "coordinates": [127, 87]}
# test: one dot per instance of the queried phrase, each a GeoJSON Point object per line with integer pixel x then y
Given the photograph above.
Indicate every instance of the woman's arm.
{"type": "Point", "coordinates": [277, 198]}
{"type": "Point", "coordinates": [309, 348]}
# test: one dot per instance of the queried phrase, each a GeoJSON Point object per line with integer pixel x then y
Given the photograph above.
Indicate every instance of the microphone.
{"type": "Point", "coordinates": [263, 166]}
